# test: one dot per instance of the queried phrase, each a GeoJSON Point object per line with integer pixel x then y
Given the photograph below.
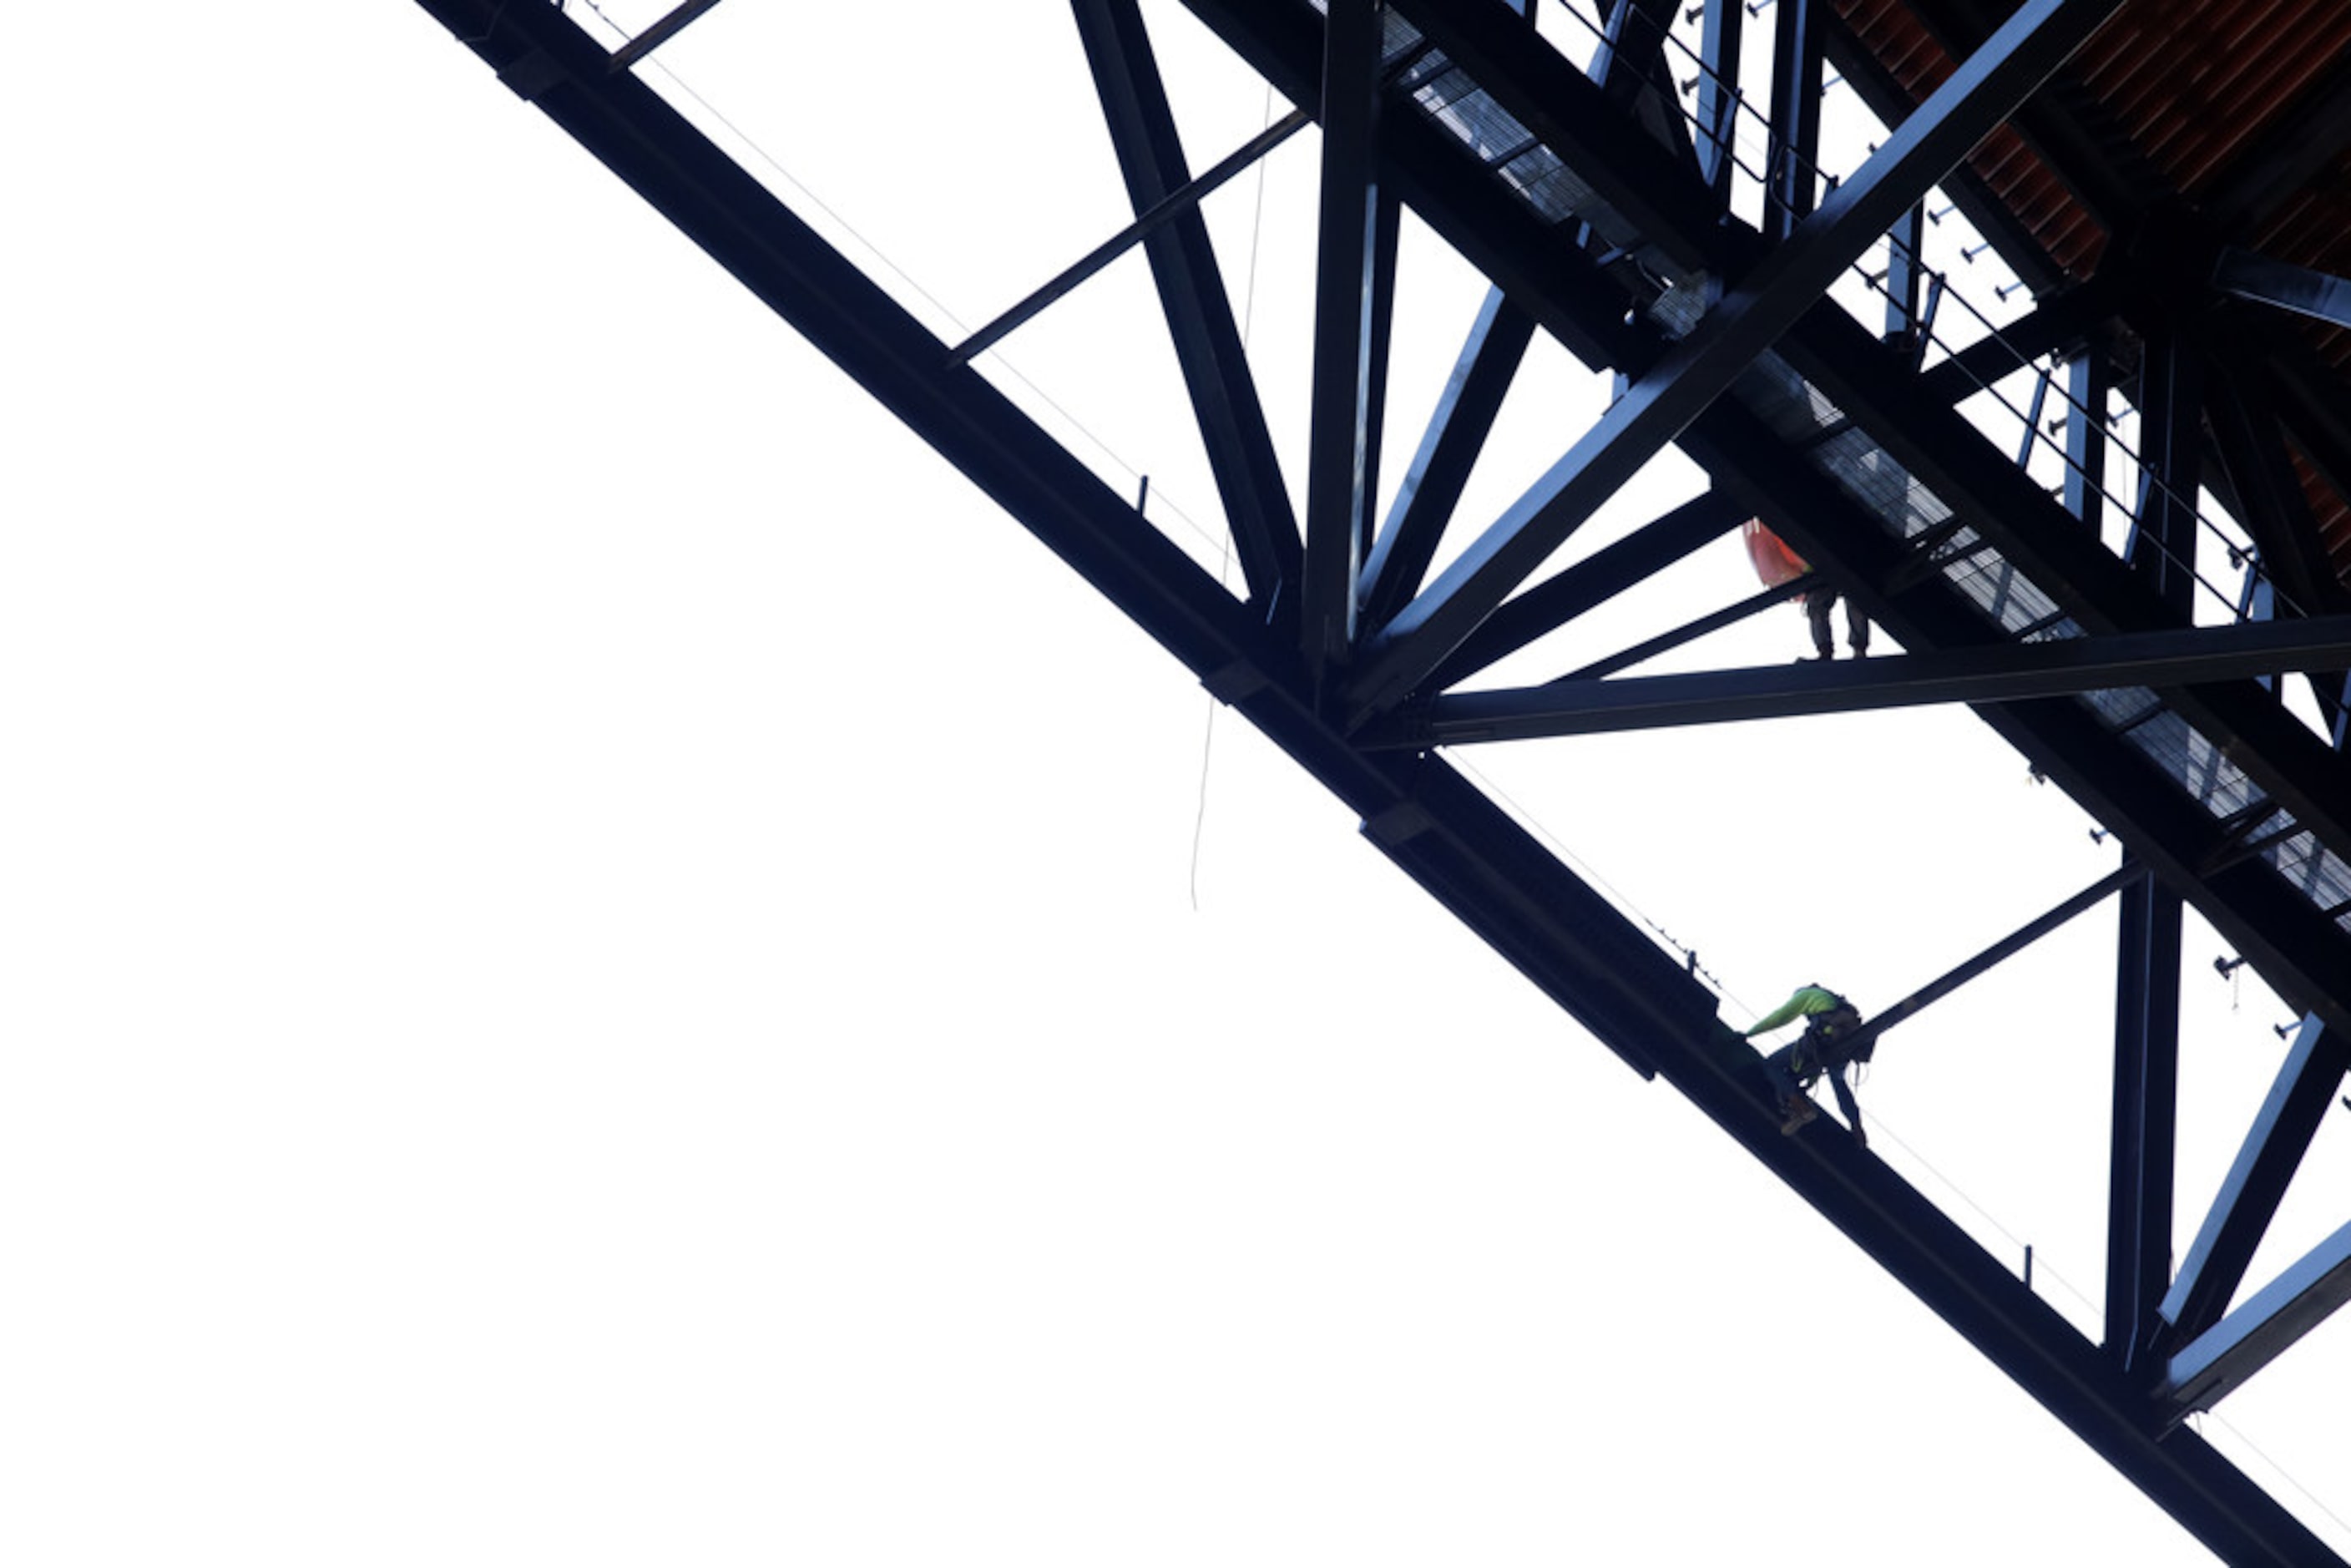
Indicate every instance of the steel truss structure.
{"type": "Point", "coordinates": [1605, 204]}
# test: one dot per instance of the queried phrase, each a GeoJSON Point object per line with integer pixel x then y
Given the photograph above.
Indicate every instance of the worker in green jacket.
{"type": "Point", "coordinates": [1829, 1022]}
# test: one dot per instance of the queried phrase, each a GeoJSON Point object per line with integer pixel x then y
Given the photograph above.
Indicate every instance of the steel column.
{"type": "Point", "coordinates": [1793, 176]}
{"type": "Point", "coordinates": [2145, 1104]}
{"type": "Point", "coordinates": [2171, 453]}
{"type": "Point", "coordinates": [2087, 382]}
{"type": "Point", "coordinates": [1344, 297]}
{"type": "Point", "coordinates": [1717, 91]}
{"type": "Point", "coordinates": [1906, 275]}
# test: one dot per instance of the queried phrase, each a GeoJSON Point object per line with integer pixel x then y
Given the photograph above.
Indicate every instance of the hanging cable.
{"type": "Point", "coordinates": [1224, 562]}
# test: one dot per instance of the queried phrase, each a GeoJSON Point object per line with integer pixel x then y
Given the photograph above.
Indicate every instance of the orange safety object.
{"type": "Point", "coordinates": [1775, 563]}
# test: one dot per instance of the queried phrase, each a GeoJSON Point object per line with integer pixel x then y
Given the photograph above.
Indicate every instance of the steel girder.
{"type": "Point", "coordinates": [1422, 815]}
{"type": "Point", "coordinates": [1997, 674]}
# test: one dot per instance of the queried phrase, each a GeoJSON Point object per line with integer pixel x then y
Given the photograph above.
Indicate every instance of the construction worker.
{"type": "Point", "coordinates": [1818, 603]}
{"type": "Point", "coordinates": [1829, 1022]}
{"type": "Point", "coordinates": [1776, 565]}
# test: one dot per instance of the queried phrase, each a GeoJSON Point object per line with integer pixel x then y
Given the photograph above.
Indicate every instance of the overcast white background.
{"type": "Point", "coordinates": [603, 963]}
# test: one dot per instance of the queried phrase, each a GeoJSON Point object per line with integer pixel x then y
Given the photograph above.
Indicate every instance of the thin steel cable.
{"type": "Point", "coordinates": [1224, 562]}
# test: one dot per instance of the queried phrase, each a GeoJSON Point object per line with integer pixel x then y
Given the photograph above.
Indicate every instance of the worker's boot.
{"type": "Point", "coordinates": [1795, 1113]}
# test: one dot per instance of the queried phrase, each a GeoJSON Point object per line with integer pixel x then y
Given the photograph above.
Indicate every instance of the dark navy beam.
{"type": "Point", "coordinates": [2290, 1117]}
{"type": "Point", "coordinates": [2217, 1363]}
{"type": "Point", "coordinates": [676, 22]}
{"type": "Point", "coordinates": [1192, 298]}
{"type": "Point", "coordinates": [2060, 322]}
{"type": "Point", "coordinates": [1793, 176]}
{"type": "Point", "coordinates": [1162, 213]}
{"type": "Point", "coordinates": [2143, 1133]}
{"type": "Point", "coordinates": [1999, 953]}
{"type": "Point", "coordinates": [1591, 583]}
{"type": "Point", "coordinates": [1997, 674]}
{"type": "Point", "coordinates": [2270, 499]}
{"type": "Point", "coordinates": [2088, 383]}
{"type": "Point", "coordinates": [2305, 291]}
{"type": "Point", "coordinates": [1457, 433]}
{"type": "Point", "coordinates": [1345, 296]}
{"type": "Point", "coordinates": [1721, 48]}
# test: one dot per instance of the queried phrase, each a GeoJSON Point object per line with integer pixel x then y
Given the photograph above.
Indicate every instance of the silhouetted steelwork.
{"type": "Point", "coordinates": [1604, 218]}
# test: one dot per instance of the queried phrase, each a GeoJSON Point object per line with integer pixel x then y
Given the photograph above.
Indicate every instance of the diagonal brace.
{"type": "Point", "coordinates": [1192, 296]}
{"type": "Point", "coordinates": [2256, 1183]}
{"type": "Point", "coordinates": [1162, 212]}
{"type": "Point", "coordinates": [2217, 1363]}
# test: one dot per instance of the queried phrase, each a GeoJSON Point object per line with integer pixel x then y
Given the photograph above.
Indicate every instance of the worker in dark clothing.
{"type": "Point", "coordinates": [1830, 1022]}
{"type": "Point", "coordinates": [1818, 603]}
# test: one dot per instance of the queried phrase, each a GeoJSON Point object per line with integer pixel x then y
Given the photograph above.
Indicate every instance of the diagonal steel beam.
{"type": "Point", "coordinates": [1593, 581]}
{"type": "Point", "coordinates": [2061, 319]}
{"type": "Point", "coordinates": [1457, 433]}
{"type": "Point", "coordinates": [2256, 1183]}
{"type": "Point", "coordinates": [1777, 290]}
{"type": "Point", "coordinates": [1999, 953]}
{"type": "Point", "coordinates": [1192, 296]}
{"type": "Point", "coordinates": [2216, 1363]}
{"type": "Point", "coordinates": [2304, 290]}
{"type": "Point", "coordinates": [2001, 673]}
{"type": "Point", "coordinates": [1162, 213]}
{"type": "Point", "coordinates": [2271, 501]}
{"type": "Point", "coordinates": [660, 32]}
{"type": "Point", "coordinates": [1345, 296]}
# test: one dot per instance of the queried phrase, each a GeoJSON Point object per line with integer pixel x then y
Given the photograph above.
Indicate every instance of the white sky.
{"type": "Point", "coordinates": [601, 963]}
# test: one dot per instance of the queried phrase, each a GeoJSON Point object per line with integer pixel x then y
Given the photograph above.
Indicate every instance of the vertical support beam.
{"type": "Point", "coordinates": [2171, 449]}
{"type": "Point", "coordinates": [2088, 383]}
{"type": "Point", "coordinates": [1192, 296]}
{"type": "Point", "coordinates": [1457, 434]}
{"type": "Point", "coordinates": [1795, 114]}
{"type": "Point", "coordinates": [1386, 234]}
{"type": "Point", "coordinates": [2031, 437]}
{"type": "Point", "coordinates": [2147, 1092]}
{"type": "Point", "coordinates": [1905, 269]}
{"type": "Point", "coordinates": [2240, 1217]}
{"type": "Point", "coordinates": [1718, 90]}
{"type": "Point", "coordinates": [1344, 294]}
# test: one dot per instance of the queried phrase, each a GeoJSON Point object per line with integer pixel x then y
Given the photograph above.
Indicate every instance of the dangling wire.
{"type": "Point", "coordinates": [1224, 564]}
